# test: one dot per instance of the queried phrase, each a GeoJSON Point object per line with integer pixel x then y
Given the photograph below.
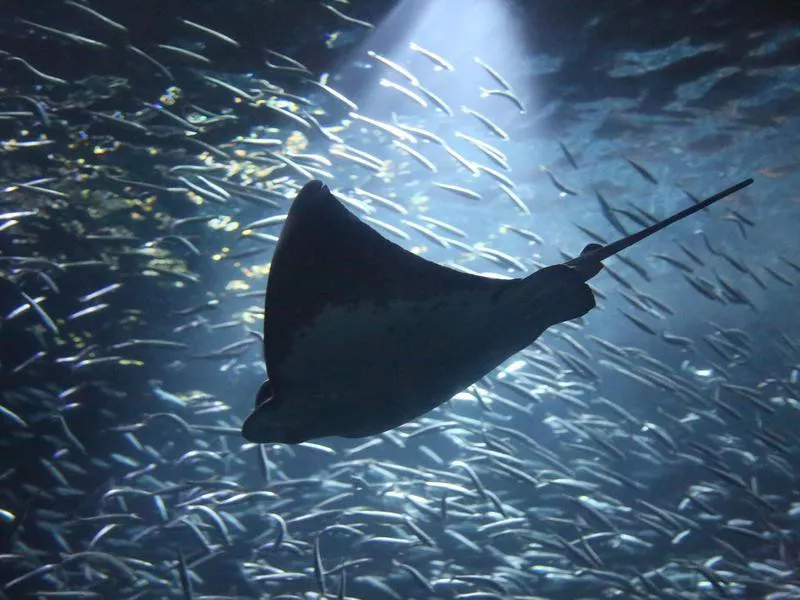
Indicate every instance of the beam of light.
{"type": "Point", "coordinates": [488, 30]}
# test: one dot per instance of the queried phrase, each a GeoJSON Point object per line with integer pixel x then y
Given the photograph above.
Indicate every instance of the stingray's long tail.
{"type": "Point", "coordinates": [589, 261]}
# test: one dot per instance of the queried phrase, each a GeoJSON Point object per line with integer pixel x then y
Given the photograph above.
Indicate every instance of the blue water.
{"type": "Point", "coordinates": [701, 95]}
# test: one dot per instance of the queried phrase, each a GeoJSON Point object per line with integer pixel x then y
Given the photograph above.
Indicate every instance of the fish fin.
{"type": "Point", "coordinates": [326, 258]}
{"type": "Point", "coordinates": [264, 394]}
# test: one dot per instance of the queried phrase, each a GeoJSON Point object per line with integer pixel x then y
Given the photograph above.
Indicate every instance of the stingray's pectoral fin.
{"type": "Point", "coordinates": [264, 393]}
{"type": "Point", "coordinates": [268, 423]}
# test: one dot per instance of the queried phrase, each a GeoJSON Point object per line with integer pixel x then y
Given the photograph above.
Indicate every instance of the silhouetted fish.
{"type": "Point", "coordinates": [361, 335]}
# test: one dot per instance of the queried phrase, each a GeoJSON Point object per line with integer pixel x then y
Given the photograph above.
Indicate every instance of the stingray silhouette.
{"type": "Point", "coordinates": [361, 335]}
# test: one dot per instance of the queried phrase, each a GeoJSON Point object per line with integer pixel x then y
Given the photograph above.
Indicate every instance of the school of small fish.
{"type": "Point", "coordinates": [148, 162]}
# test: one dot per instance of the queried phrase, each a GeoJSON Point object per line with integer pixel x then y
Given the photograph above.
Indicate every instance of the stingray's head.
{"type": "Point", "coordinates": [274, 422]}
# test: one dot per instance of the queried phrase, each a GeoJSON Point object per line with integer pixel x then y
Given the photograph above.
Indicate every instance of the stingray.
{"type": "Point", "coordinates": [361, 335]}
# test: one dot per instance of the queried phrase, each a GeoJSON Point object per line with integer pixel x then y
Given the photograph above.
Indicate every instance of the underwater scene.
{"type": "Point", "coordinates": [460, 384]}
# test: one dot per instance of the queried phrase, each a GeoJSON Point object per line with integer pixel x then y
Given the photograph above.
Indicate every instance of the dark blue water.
{"type": "Point", "coordinates": [593, 451]}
